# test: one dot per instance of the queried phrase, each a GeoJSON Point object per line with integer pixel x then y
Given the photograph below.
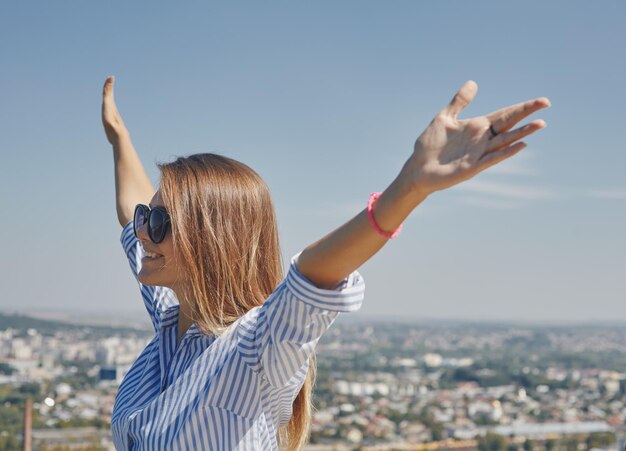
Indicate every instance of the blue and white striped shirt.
{"type": "Point", "coordinates": [228, 392]}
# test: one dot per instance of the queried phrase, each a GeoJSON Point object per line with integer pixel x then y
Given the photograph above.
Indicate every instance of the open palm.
{"type": "Point", "coordinates": [111, 118]}
{"type": "Point", "coordinates": [452, 150]}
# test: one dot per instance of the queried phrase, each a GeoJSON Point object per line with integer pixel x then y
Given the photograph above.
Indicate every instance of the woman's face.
{"type": "Point", "coordinates": [158, 266]}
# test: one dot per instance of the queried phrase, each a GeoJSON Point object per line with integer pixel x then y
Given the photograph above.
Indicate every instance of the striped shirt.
{"type": "Point", "coordinates": [230, 392]}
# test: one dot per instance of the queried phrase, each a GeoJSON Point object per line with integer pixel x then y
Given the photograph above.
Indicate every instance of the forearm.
{"type": "Point", "coordinates": [329, 260]}
{"type": "Point", "coordinates": [132, 185]}
{"type": "Point", "coordinates": [449, 151]}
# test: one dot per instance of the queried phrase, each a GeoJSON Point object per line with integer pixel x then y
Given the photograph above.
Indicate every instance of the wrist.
{"type": "Point", "coordinates": [410, 184]}
{"type": "Point", "coordinates": [389, 234]}
{"type": "Point", "coordinates": [120, 138]}
{"type": "Point", "coordinates": [395, 204]}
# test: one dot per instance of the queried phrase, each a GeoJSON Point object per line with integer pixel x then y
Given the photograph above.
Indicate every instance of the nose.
{"type": "Point", "coordinates": [142, 233]}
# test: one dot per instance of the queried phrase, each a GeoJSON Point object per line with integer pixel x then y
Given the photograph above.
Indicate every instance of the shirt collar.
{"type": "Point", "coordinates": [169, 318]}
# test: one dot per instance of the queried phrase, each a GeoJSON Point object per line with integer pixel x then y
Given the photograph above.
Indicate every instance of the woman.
{"type": "Point", "coordinates": [232, 363]}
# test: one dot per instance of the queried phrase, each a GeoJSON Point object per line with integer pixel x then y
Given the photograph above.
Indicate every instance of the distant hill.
{"type": "Point", "coordinates": [46, 327]}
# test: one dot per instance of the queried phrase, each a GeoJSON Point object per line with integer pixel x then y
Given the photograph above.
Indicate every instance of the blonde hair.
{"type": "Point", "coordinates": [225, 239]}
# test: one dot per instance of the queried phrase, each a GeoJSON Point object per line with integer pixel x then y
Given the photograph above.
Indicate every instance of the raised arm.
{"type": "Point", "coordinates": [132, 185]}
{"type": "Point", "coordinates": [449, 151]}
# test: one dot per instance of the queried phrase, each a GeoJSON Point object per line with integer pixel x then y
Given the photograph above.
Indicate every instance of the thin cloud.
{"type": "Point", "coordinates": [485, 192]}
{"type": "Point", "coordinates": [496, 204]}
{"type": "Point", "coordinates": [508, 191]}
{"type": "Point", "coordinates": [520, 165]}
{"type": "Point", "coordinates": [614, 194]}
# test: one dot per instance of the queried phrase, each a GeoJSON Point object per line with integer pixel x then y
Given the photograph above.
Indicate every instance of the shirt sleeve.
{"type": "Point", "coordinates": [156, 299]}
{"type": "Point", "coordinates": [278, 337]}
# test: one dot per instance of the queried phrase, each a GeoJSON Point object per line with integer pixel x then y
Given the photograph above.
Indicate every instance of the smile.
{"type": "Point", "coordinates": [151, 255]}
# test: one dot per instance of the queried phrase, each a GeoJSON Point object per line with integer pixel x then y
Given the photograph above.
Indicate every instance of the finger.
{"type": "Point", "coordinates": [462, 98]}
{"type": "Point", "coordinates": [504, 139]}
{"type": "Point", "coordinates": [109, 108]}
{"type": "Point", "coordinates": [505, 118]}
{"type": "Point", "coordinates": [107, 89]}
{"type": "Point", "coordinates": [491, 158]}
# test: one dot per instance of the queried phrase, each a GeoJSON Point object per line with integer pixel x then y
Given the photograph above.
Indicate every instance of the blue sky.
{"type": "Point", "coordinates": [325, 100]}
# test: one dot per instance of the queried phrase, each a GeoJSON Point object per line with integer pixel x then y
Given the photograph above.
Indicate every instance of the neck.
{"type": "Point", "coordinates": [184, 313]}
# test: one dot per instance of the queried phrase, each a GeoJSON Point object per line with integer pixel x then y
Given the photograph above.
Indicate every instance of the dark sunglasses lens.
{"type": "Point", "coordinates": [158, 225]}
{"type": "Point", "coordinates": [140, 217]}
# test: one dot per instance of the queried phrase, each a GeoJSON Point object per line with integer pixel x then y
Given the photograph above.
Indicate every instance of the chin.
{"type": "Point", "coordinates": [150, 279]}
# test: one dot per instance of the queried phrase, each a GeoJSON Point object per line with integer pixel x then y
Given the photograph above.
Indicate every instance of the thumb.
{"type": "Point", "coordinates": [462, 98]}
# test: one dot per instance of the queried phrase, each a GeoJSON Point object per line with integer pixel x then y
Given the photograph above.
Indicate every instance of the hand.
{"type": "Point", "coordinates": [113, 124]}
{"type": "Point", "coordinates": [452, 150]}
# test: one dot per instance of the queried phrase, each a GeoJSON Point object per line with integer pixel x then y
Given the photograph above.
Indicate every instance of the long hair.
{"type": "Point", "coordinates": [225, 239]}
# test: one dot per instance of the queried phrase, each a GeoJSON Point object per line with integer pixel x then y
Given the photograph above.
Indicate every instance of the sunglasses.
{"type": "Point", "coordinates": [157, 220]}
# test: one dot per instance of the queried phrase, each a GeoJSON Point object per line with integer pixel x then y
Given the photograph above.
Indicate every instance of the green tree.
{"type": "Point", "coordinates": [436, 428]}
{"type": "Point", "coordinates": [600, 440]}
{"type": "Point", "coordinates": [5, 368]}
{"type": "Point", "coordinates": [570, 443]}
{"type": "Point", "coordinates": [10, 443]}
{"type": "Point", "coordinates": [492, 442]}
{"type": "Point", "coordinates": [30, 388]}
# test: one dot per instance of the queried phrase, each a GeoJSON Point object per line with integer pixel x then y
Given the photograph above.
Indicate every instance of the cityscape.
{"type": "Point", "coordinates": [381, 385]}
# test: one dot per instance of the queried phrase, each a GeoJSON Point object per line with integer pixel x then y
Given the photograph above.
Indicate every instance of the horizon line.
{"type": "Point", "coordinates": [72, 315]}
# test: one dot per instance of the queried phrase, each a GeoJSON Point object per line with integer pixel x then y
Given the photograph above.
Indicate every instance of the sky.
{"type": "Point", "coordinates": [325, 100]}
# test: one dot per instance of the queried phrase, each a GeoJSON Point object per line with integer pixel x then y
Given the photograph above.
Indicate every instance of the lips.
{"type": "Point", "coordinates": [149, 254]}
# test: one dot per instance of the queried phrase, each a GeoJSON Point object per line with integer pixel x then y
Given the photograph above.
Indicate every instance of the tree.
{"type": "Point", "coordinates": [492, 442]}
{"type": "Point", "coordinates": [5, 368]}
{"type": "Point", "coordinates": [30, 388]}
{"type": "Point", "coordinates": [600, 440]}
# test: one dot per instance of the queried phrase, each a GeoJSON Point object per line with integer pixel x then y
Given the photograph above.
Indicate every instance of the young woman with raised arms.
{"type": "Point", "coordinates": [232, 362]}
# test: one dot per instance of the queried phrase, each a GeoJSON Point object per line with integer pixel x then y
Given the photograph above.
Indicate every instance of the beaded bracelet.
{"type": "Point", "coordinates": [370, 215]}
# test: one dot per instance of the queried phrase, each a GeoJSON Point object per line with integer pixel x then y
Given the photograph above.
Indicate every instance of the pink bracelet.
{"type": "Point", "coordinates": [370, 215]}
